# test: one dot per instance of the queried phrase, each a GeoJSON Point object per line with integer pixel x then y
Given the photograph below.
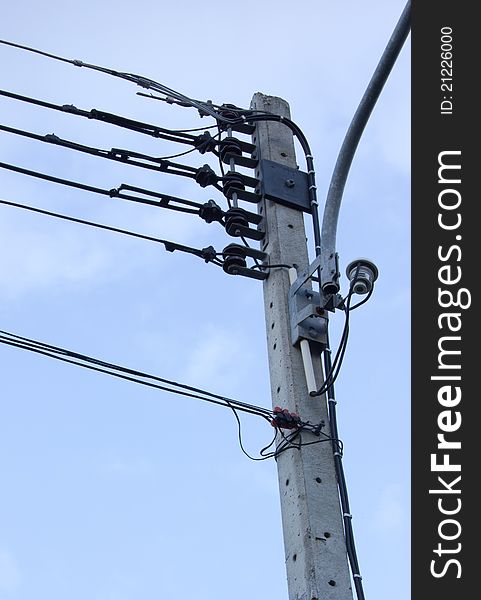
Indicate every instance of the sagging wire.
{"type": "Point", "coordinates": [276, 417]}
{"type": "Point", "coordinates": [136, 376]}
{"type": "Point", "coordinates": [207, 254]}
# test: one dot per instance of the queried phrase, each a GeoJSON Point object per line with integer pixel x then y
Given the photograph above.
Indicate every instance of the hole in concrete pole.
{"type": "Point", "coordinates": [274, 346]}
{"type": "Point", "coordinates": [287, 481]}
{"type": "Point", "coordinates": [272, 326]}
{"type": "Point", "coordinates": [290, 226]}
{"type": "Point", "coordinates": [327, 534]}
{"type": "Point", "coordinates": [278, 389]}
{"type": "Point", "coordinates": [319, 480]}
{"type": "Point", "coordinates": [331, 582]}
{"type": "Point", "coordinates": [284, 154]}
{"type": "Point", "coordinates": [271, 305]}
{"type": "Point", "coordinates": [294, 557]}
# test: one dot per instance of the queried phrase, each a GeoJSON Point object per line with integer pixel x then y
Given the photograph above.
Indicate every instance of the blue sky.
{"type": "Point", "coordinates": [112, 491]}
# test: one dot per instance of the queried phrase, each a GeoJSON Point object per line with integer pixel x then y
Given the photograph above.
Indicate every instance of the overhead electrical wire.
{"type": "Point", "coordinates": [165, 200]}
{"type": "Point", "coordinates": [207, 254]}
{"type": "Point", "coordinates": [122, 372]}
{"type": "Point", "coordinates": [144, 82]}
{"type": "Point", "coordinates": [174, 387]}
{"type": "Point", "coordinates": [230, 115]}
{"type": "Point", "coordinates": [171, 135]}
{"type": "Point", "coordinates": [116, 154]}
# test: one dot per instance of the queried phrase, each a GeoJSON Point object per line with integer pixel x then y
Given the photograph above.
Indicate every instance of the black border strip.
{"type": "Point", "coordinates": [445, 133]}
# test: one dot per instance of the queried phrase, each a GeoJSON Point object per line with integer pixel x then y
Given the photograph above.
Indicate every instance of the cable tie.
{"type": "Point", "coordinates": [313, 187]}
{"type": "Point", "coordinates": [332, 400]}
{"type": "Point", "coordinates": [357, 575]}
{"type": "Point", "coordinates": [347, 515]}
{"type": "Point", "coordinates": [78, 63]}
{"type": "Point", "coordinates": [309, 156]}
{"type": "Point", "coordinates": [311, 172]}
{"type": "Point", "coordinates": [281, 119]}
{"type": "Point", "coordinates": [316, 203]}
{"type": "Point", "coordinates": [337, 454]}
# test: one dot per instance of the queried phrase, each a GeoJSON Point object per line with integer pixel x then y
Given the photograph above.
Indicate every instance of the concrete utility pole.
{"type": "Point", "coordinates": [315, 549]}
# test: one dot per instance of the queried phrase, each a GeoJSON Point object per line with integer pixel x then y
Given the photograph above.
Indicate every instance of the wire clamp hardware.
{"type": "Point", "coordinates": [210, 212]}
{"type": "Point", "coordinates": [283, 419]}
{"type": "Point", "coordinates": [307, 319]}
{"type": "Point", "coordinates": [205, 143]}
{"type": "Point", "coordinates": [329, 300]}
{"type": "Point", "coordinates": [205, 176]}
{"type": "Point", "coordinates": [208, 254]}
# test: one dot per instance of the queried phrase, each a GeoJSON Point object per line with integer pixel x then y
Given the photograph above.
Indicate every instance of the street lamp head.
{"type": "Point", "coordinates": [362, 273]}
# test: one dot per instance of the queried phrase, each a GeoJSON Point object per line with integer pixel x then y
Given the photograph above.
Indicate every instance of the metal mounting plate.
{"type": "Point", "coordinates": [284, 185]}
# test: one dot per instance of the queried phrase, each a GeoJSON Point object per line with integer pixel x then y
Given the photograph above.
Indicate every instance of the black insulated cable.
{"type": "Point", "coordinates": [165, 200]}
{"type": "Point", "coordinates": [342, 486]}
{"type": "Point", "coordinates": [144, 82]}
{"type": "Point", "coordinates": [171, 135]}
{"type": "Point", "coordinates": [134, 375]}
{"type": "Point", "coordinates": [116, 154]}
{"type": "Point", "coordinates": [207, 254]}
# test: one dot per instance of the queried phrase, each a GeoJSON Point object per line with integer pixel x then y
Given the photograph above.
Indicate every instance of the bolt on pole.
{"type": "Point", "coordinates": [315, 548]}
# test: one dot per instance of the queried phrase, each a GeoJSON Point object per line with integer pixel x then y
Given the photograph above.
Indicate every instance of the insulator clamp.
{"type": "Point", "coordinates": [205, 143]}
{"type": "Point", "coordinates": [210, 212]}
{"type": "Point", "coordinates": [235, 262]}
{"type": "Point", "coordinates": [232, 182]}
{"type": "Point", "coordinates": [229, 146]}
{"type": "Point", "coordinates": [205, 176]}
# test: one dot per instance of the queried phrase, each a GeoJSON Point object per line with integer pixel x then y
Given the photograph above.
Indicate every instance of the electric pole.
{"type": "Point", "coordinates": [315, 548]}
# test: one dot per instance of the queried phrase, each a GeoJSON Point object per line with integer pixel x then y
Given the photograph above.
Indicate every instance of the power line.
{"type": "Point", "coordinates": [208, 254]}
{"type": "Point", "coordinates": [279, 419]}
{"type": "Point", "coordinates": [165, 200]}
{"type": "Point", "coordinates": [116, 154]}
{"type": "Point", "coordinates": [144, 82]}
{"type": "Point", "coordinates": [136, 376]}
{"type": "Point", "coordinates": [177, 135]}
{"type": "Point", "coordinates": [166, 385]}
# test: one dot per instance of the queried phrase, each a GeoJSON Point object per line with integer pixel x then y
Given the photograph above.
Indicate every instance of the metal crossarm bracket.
{"type": "Point", "coordinates": [327, 301]}
{"type": "Point", "coordinates": [307, 319]}
{"type": "Point", "coordinates": [284, 185]}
